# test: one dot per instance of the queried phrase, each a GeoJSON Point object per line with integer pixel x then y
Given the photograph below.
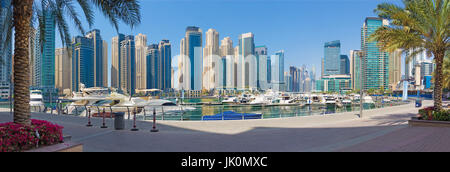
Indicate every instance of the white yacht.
{"type": "Point", "coordinates": [230, 100]}
{"type": "Point", "coordinates": [330, 100]}
{"type": "Point", "coordinates": [246, 98]}
{"type": "Point", "coordinates": [161, 106]}
{"type": "Point", "coordinates": [87, 97]}
{"type": "Point", "coordinates": [347, 101]}
{"type": "Point", "coordinates": [36, 101]}
{"type": "Point", "coordinates": [368, 102]}
{"type": "Point", "coordinates": [318, 100]}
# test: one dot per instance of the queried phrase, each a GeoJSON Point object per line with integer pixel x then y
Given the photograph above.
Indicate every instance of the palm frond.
{"type": "Point", "coordinates": [128, 11]}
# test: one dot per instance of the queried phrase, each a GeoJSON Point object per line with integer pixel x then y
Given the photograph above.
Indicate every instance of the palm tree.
{"type": "Point", "coordinates": [25, 12]}
{"type": "Point", "coordinates": [420, 26]}
{"type": "Point", "coordinates": [446, 72]}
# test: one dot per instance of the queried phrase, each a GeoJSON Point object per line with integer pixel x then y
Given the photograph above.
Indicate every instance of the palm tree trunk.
{"type": "Point", "coordinates": [22, 17]}
{"type": "Point", "coordinates": [438, 78]}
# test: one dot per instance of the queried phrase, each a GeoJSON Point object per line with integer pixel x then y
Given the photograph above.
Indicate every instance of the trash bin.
{"type": "Point", "coordinates": [119, 120]}
{"type": "Point", "coordinates": [418, 103]}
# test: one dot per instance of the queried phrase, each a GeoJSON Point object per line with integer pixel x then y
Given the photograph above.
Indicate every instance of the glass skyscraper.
{"type": "Point", "coordinates": [261, 59]}
{"type": "Point", "coordinates": [152, 66]}
{"type": "Point", "coordinates": [345, 65]}
{"type": "Point", "coordinates": [332, 58]}
{"type": "Point", "coordinates": [165, 63]}
{"type": "Point", "coordinates": [48, 51]}
{"type": "Point", "coordinates": [375, 62]}
{"type": "Point", "coordinates": [82, 63]}
{"type": "Point", "coordinates": [247, 61]}
{"type": "Point", "coordinates": [99, 58]}
{"type": "Point", "coordinates": [5, 47]}
{"type": "Point", "coordinates": [192, 62]}
{"type": "Point", "coordinates": [355, 70]}
{"type": "Point", "coordinates": [277, 70]}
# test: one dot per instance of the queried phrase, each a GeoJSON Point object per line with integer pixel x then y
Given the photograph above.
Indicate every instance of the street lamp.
{"type": "Point", "coordinates": [361, 93]}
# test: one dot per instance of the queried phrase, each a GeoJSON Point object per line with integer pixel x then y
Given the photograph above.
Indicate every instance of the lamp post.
{"type": "Point", "coordinates": [361, 93]}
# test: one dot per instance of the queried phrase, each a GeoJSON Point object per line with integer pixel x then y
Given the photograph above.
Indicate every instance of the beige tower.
{"type": "Point", "coordinates": [210, 52]}
{"type": "Point", "coordinates": [105, 63]}
{"type": "Point", "coordinates": [115, 59]}
{"type": "Point", "coordinates": [395, 68]}
{"type": "Point", "coordinates": [226, 47]}
{"type": "Point", "coordinates": [62, 69]}
{"type": "Point", "coordinates": [141, 62]}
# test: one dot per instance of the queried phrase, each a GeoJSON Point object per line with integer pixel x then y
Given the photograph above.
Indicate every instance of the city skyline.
{"type": "Point", "coordinates": [270, 29]}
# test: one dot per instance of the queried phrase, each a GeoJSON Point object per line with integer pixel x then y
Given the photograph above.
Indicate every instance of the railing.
{"type": "Point", "coordinates": [79, 109]}
{"type": "Point", "coordinates": [60, 109]}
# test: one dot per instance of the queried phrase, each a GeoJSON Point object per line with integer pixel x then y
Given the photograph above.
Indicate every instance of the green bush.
{"type": "Point", "coordinates": [443, 115]}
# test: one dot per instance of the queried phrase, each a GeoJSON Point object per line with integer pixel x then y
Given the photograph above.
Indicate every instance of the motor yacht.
{"type": "Point", "coordinates": [330, 100]}
{"type": "Point", "coordinates": [230, 100]}
{"type": "Point", "coordinates": [36, 101]}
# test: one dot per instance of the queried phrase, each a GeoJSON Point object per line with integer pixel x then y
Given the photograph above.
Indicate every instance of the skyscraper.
{"type": "Point", "coordinates": [62, 69]}
{"type": "Point", "coordinates": [395, 69]}
{"type": "Point", "coordinates": [141, 61]}
{"type": "Point", "coordinates": [32, 53]}
{"type": "Point", "coordinates": [165, 64]}
{"type": "Point", "coordinates": [261, 59]}
{"type": "Point", "coordinates": [375, 62]}
{"type": "Point", "coordinates": [99, 58]}
{"type": "Point", "coordinates": [313, 78]}
{"type": "Point", "coordinates": [191, 62]}
{"type": "Point", "coordinates": [36, 81]}
{"type": "Point", "coordinates": [247, 60]}
{"type": "Point", "coordinates": [277, 70]}
{"type": "Point", "coordinates": [344, 65]}
{"type": "Point", "coordinates": [294, 72]}
{"type": "Point", "coordinates": [48, 51]}
{"type": "Point", "coordinates": [152, 66]}
{"type": "Point", "coordinates": [227, 53]}
{"type": "Point", "coordinates": [332, 58]}
{"type": "Point", "coordinates": [226, 47]}
{"type": "Point", "coordinates": [211, 54]}
{"type": "Point", "coordinates": [355, 69]}
{"type": "Point", "coordinates": [82, 63]}
{"type": "Point", "coordinates": [128, 65]}
{"type": "Point", "coordinates": [5, 49]}
{"type": "Point", "coordinates": [105, 64]}
{"type": "Point", "coordinates": [115, 60]}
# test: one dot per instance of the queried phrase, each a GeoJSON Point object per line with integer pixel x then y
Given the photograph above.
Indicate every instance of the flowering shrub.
{"type": "Point", "coordinates": [426, 113]}
{"type": "Point", "coordinates": [17, 137]}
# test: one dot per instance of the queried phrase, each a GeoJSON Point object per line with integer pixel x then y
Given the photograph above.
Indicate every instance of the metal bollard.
{"type": "Point", "coordinates": [162, 110]}
{"type": "Point", "coordinates": [128, 109]}
{"type": "Point", "coordinates": [89, 118]}
{"type": "Point", "coordinates": [134, 121]}
{"type": "Point", "coordinates": [154, 121]}
{"type": "Point", "coordinates": [104, 124]}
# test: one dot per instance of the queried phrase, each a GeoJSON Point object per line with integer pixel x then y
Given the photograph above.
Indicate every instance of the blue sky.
{"type": "Point", "coordinates": [300, 27]}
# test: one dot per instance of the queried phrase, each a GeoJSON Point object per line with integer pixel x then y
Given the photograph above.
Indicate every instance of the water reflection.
{"type": "Point", "coordinates": [269, 111]}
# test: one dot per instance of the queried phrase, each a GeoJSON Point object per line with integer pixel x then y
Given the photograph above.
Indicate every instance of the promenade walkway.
{"type": "Point", "coordinates": [379, 130]}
